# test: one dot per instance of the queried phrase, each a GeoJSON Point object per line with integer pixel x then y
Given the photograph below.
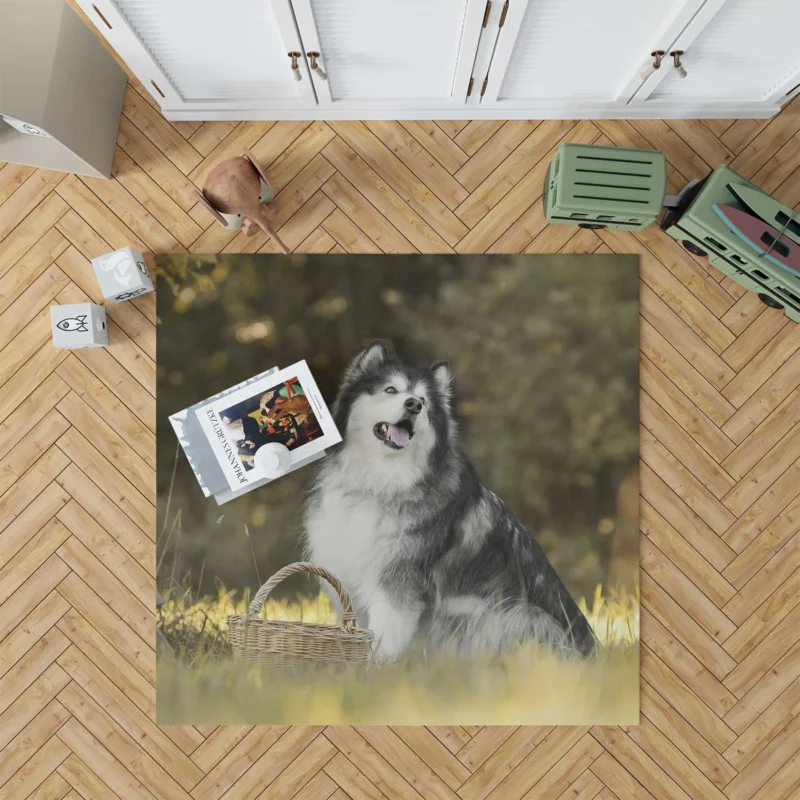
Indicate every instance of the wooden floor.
{"type": "Point", "coordinates": [720, 473]}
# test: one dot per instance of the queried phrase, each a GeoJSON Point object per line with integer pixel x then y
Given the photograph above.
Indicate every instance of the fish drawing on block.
{"type": "Point", "coordinates": [761, 237]}
{"type": "Point", "coordinates": [77, 324]}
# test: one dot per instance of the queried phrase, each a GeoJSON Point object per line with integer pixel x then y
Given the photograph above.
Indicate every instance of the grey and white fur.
{"type": "Point", "coordinates": [427, 553]}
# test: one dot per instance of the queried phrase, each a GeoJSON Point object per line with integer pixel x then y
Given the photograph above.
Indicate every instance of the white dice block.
{"type": "Point", "coordinates": [78, 325]}
{"type": "Point", "coordinates": [122, 274]}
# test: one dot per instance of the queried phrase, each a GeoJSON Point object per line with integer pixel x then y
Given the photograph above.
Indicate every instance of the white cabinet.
{"type": "Point", "coordinates": [734, 51]}
{"type": "Point", "coordinates": [586, 58]}
{"type": "Point", "coordinates": [206, 54]}
{"type": "Point", "coordinates": [382, 53]}
{"type": "Point", "coordinates": [578, 51]}
{"type": "Point", "coordinates": [389, 59]}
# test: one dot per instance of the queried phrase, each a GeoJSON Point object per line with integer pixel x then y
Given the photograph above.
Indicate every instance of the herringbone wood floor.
{"type": "Point", "coordinates": [720, 495]}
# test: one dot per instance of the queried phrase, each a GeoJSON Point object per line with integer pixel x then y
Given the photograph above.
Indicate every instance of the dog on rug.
{"type": "Point", "coordinates": [426, 551]}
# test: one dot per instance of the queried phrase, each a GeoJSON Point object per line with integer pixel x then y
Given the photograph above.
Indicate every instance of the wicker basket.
{"type": "Point", "coordinates": [299, 645]}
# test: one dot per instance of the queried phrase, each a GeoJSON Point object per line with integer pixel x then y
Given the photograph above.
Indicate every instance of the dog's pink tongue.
{"type": "Point", "coordinates": [399, 436]}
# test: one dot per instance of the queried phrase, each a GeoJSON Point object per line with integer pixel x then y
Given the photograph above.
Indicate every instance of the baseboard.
{"type": "Point", "coordinates": [368, 112]}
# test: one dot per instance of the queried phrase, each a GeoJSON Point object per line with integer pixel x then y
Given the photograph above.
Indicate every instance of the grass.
{"type": "Point", "coordinates": [200, 683]}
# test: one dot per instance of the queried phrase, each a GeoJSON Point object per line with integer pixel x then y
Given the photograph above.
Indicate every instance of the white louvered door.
{"type": "Point", "coordinates": [432, 59]}
{"type": "Point", "coordinates": [209, 54]}
{"type": "Point", "coordinates": [746, 50]}
{"type": "Point", "coordinates": [384, 54]}
{"type": "Point", "coordinates": [575, 53]}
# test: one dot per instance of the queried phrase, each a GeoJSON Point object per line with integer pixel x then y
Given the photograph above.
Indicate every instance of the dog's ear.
{"type": "Point", "coordinates": [368, 359]}
{"type": "Point", "coordinates": [442, 377]}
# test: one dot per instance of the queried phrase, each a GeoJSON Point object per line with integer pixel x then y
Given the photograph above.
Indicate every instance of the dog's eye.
{"type": "Point", "coordinates": [422, 400]}
{"type": "Point", "coordinates": [390, 390]}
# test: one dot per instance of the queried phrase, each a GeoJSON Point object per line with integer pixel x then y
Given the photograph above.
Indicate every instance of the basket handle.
{"type": "Point", "coordinates": [348, 613]}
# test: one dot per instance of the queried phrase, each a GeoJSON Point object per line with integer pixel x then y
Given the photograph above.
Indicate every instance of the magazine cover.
{"type": "Point", "coordinates": [283, 408]}
{"type": "Point", "coordinates": [225, 436]}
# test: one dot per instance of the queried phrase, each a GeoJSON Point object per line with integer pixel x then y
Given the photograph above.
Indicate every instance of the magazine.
{"type": "Point", "coordinates": [279, 410]}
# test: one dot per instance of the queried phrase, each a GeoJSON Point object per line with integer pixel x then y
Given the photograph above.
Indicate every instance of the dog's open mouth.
{"type": "Point", "coordinates": [396, 435]}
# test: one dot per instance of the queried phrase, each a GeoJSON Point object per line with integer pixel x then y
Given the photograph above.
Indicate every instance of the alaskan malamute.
{"type": "Point", "coordinates": [427, 552]}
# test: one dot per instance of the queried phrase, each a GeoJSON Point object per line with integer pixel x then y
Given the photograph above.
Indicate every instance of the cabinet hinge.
{"type": "Point", "coordinates": [486, 13]}
{"type": "Point", "coordinates": [483, 88]}
{"type": "Point", "coordinates": [469, 88]}
{"type": "Point", "coordinates": [503, 15]}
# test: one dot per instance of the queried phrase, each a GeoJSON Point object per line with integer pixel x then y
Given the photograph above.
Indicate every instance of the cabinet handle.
{"type": "Point", "coordinates": [315, 68]}
{"type": "Point", "coordinates": [100, 14]}
{"type": "Point", "coordinates": [503, 15]}
{"type": "Point", "coordinates": [657, 56]}
{"type": "Point", "coordinates": [676, 60]}
{"type": "Point", "coordinates": [294, 55]}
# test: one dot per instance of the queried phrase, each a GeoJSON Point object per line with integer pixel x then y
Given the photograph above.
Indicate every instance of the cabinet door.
{"type": "Point", "coordinates": [562, 53]}
{"type": "Point", "coordinates": [736, 51]}
{"type": "Point", "coordinates": [207, 54]}
{"type": "Point", "coordinates": [384, 54]}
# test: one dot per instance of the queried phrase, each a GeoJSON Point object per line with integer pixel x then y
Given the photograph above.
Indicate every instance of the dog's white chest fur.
{"type": "Point", "coordinates": [353, 537]}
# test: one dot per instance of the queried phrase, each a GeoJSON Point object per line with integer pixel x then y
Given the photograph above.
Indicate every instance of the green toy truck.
{"type": "Point", "coordinates": [594, 186]}
{"type": "Point", "coordinates": [702, 232]}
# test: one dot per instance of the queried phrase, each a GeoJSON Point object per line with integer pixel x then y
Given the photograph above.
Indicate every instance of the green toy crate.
{"type": "Point", "coordinates": [605, 187]}
{"type": "Point", "coordinates": [702, 232]}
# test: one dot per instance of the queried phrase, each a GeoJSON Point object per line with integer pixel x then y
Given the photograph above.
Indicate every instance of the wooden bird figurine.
{"type": "Point", "coordinates": [233, 188]}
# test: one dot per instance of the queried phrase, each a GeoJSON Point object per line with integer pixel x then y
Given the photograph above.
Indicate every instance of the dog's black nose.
{"type": "Point", "coordinates": [413, 405]}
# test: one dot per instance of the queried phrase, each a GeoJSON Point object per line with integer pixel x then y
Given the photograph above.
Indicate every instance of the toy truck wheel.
{"type": "Point", "coordinates": [769, 301]}
{"type": "Point", "coordinates": [592, 226]}
{"type": "Point", "coordinates": [693, 248]}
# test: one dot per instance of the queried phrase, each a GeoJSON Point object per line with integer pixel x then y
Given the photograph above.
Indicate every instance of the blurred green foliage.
{"type": "Point", "coordinates": [544, 352]}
